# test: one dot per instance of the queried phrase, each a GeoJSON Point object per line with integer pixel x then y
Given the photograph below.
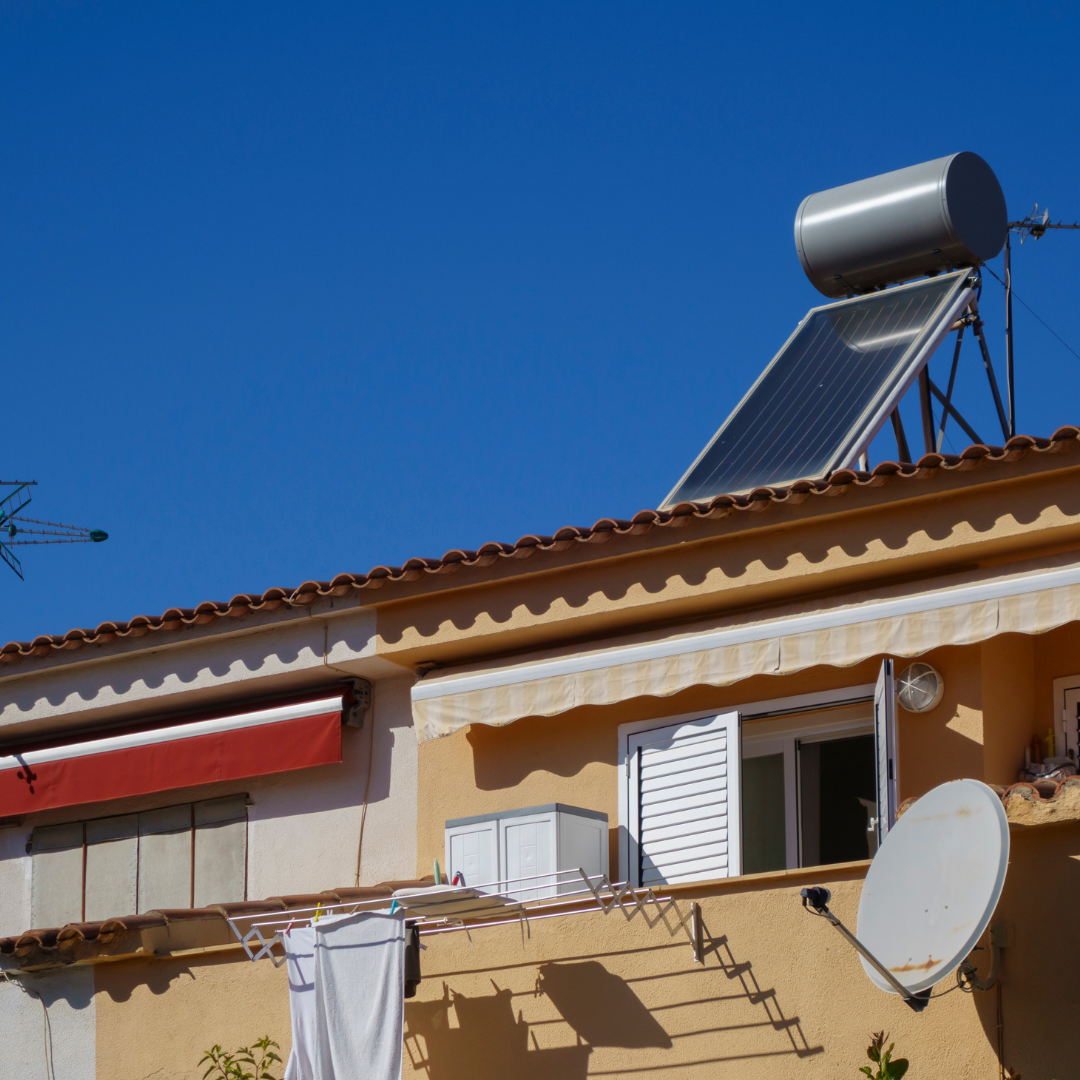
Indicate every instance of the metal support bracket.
{"type": "Point", "coordinates": [952, 380]}
{"type": "Point", "coordinates": [977, 326]}
{"type": "Point", "coordinates": [355, 703]}
{"type": "Point", "coordinates": [926, 409]}
{"type": "Point", "coordinates": [967, 975]}
{"type": "Point", "coordinates": [948, 409]}
{"type": "Point", "coordinates": [699, 936]}
{"type": "Point", "coordinates": [817, 900]}
{"type": "Point", "coordinates": [901, 437]}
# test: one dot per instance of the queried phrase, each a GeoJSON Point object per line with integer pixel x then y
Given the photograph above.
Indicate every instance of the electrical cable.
{"type": "Point", "coordinates": [367, 789]}
{"type": "Point", "coordinates": [1039, 317]}
{"type": "Point", "coordinates": [370, 719]}
{"type": "Point", "coordinates": [50, 1068]}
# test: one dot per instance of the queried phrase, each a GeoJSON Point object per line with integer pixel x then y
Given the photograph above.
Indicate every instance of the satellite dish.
{"type": "Point", "coordinates": [930, 892]}
{"type": "Point", "coordinates": [933, 885]}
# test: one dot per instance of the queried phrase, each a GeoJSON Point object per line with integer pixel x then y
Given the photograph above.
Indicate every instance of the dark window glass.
{"type": "Point", "coordinates": [837, 799]}
{"type": "Point", "coordinates": [764, 847]}
{"type": "Point", "coordinates": [814, 400]}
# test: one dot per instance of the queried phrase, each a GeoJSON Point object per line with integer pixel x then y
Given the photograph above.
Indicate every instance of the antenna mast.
{"type": "Point", "coordinates": [13, 524]}
{"type": "Point", "coordinates": [1036, 226]}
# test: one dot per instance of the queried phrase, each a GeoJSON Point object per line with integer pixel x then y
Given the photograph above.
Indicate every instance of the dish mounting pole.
{"type": "Point", "coordinates": [1036, 226]}
{"type": "Point", "coordinates": [817, 901]}
{"type": "Point", "coordinates": [1010, 382]}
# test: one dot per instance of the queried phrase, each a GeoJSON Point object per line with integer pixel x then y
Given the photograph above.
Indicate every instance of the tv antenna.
{"type": "Point", "coordinates": [1034, 225]}
{"type": "Point", "coordinates": [930, 893]}
{"type": "Point", "coordinates": [13, 523]}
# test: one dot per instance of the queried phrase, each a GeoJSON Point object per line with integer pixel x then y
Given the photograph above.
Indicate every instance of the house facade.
{"type": "Point", "coordinates": [704, 694]}
{"type": "Point", "coordinates": [238, 751]}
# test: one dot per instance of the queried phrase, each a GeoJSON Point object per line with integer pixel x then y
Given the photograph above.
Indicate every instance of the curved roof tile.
{"type": "Point", "coordinates": [487, 554]}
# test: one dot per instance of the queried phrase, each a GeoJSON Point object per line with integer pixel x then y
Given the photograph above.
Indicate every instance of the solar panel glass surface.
{"type": "Point", "coordinates": [826, 384]}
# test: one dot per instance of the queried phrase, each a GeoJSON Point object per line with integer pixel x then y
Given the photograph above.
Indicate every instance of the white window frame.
{"type": "Point", "coordinates": [757, 739]}
{"type": "Point", "coordinates": [1065, 727]}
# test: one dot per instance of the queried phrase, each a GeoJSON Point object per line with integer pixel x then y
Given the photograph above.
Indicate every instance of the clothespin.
{"type": "Point", "coordinates": [459, 878]}
{"type": "Point", "coordinates": [318, 907]}
{"type": "Point", "coordinates": [393, 906]}
{"type": "Point", "coordinates": [438, 873]}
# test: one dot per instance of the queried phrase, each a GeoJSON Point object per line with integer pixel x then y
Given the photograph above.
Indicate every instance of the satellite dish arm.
{"type": "Point", "coordinates": [816, 901]}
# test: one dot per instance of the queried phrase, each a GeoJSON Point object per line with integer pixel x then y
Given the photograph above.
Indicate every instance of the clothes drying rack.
{"type": "Point", "coordinates": [516, 900]}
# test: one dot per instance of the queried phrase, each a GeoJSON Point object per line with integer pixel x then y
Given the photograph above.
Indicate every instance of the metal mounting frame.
{"type": "Point", "coordinates": [933, 431]}
{"type": "Point", "coordinates": [816, 900]}
{"type": "Point", "coordinates": [915, 373]}
{"type": "Point", "coordinates": [260, 933]}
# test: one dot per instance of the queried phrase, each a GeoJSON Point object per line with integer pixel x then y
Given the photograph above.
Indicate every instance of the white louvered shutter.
{"type": "Point", "coordinates": [685, 802]}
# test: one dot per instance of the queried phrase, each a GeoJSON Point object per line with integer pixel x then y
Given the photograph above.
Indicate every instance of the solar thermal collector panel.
{"type": "Point", "coordinates": [828, 391]}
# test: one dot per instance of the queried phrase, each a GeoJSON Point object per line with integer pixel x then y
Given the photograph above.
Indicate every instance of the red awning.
{"type": "Point", "coordinates": [235, 747]}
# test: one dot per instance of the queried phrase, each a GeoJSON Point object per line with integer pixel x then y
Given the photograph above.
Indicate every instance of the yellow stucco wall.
{"type": "Point", "coordinates": [780, 994]}
{"type": "Point", "coordinates": [997, 695]}
{"type": "Point", "coordinates": [1008, 702]}
{"type": "Point", "coordinates": [156, 1017]}
{"type": "Point", "coordinates": [573, 757]}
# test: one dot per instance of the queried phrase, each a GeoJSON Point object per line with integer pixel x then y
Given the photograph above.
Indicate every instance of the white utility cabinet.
{"type": "Point", "coordinates": [531, 842]}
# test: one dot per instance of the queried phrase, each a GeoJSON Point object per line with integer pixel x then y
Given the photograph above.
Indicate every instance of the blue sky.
{"type": "Point", "coordinates": [294, 289]}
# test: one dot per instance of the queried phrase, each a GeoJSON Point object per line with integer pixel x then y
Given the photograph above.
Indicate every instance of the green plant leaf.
{"type": "Point", "coordinates": [895, 1069]}
{"type": "Point", "coordinates": [233, 1066]}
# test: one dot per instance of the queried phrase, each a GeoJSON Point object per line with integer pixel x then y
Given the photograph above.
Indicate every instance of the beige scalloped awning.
{"type": "Point", "coordinates": [909, 620]}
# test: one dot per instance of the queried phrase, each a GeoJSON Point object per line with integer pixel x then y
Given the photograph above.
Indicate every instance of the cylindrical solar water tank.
{"type": "Point", "coordinates": [940, 215]}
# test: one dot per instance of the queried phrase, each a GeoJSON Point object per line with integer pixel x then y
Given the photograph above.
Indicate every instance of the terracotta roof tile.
{"type": "Point", "coordinates": [488, 554]}
{"type": "Point", "coordinates": [63, 939]}
{"type": "Point", "coordinates": [1033, 802]}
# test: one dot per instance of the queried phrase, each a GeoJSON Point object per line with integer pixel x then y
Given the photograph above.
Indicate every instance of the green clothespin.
{"type": "Point", "coordinates": [438, 873]}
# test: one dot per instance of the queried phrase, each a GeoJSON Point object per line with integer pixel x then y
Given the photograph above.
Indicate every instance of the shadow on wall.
{"type": "Point", "coordinates": [489, 1043]}
{"type": "Point", "coordinates": [477, 1037]}
{"type": "Point", "coordinates": [1036, 995]}
{"type": "Point", "coordinates": [157, 976]}
{"type": "Point", "coordinates": [561, 745]}
{"type": "Point", "coordinates": [203, 666]}
{"type": "Point", "coordinates": [74, 988]}
{"type": "Point", "coordinates": [575, 990]}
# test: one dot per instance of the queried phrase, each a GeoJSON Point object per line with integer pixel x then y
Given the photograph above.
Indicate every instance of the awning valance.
{"type": "Point", "coordinates": [908, 620]}
{"type": "Point", "coordinates": [234, 747]}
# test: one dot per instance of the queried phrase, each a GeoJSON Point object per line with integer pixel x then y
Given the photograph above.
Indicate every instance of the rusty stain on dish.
{"type": "Point", "coordinates": [931, 963]}
{"type": "Point", "coordinates": [962, 811]}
